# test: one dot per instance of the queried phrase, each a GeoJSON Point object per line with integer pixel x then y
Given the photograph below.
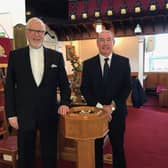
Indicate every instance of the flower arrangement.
{"type": "Point", "coordinates": [77, 68]}
{"type": "Point", "coordinates": [74, 59]}
{"type": "Point", "coordinates": [75, 62]}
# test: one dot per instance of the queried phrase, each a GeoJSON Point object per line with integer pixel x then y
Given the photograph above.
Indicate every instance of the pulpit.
{"type": "Point", "coordinates": [83, 125]}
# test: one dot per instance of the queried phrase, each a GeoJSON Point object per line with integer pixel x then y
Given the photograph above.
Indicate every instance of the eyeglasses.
{"type": "Point", "coordinates": [102, 40]}
{"type": "Point", "coordinates": [37, 31]}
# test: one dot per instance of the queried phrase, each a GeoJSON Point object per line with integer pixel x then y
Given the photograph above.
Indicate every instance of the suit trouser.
{"type": "Point", "coordinates": [48, 146]}
{"type": "Point", "coordinates": [116, 136]}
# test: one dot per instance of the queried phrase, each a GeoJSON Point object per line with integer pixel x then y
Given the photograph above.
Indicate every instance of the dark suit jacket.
{"type": "Point", "coordinates": [117, 88]}
{"type": "Point", "coordinates": [22, 96]}
{"type": "Point", "coordinates": [138, 94]}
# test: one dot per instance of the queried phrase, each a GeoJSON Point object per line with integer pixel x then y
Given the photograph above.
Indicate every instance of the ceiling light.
{"type": "Point", "coordinates": [98, 27]}
{"type": "Point", "coordinates": [138, 6]}
{"type": "Point", "coordinates": [28, 13]}
{"type": "Point", "coordinates": [123, 11]}
{"type": "Point", "coordinates": [84, 15]}
{"type": "Point", "coordinates": [137, 9]}
{"type": "Point", "coordinates": [152, 7]}
{"type": "Point", "coordinates": [138, 29]}
{"type": "Point", "coordinates": [109, 12]}
{"type": "Point", "coordinates": [73, 17]}
{"type": "Point", "coordinates": [166, 5]}
{"type": "Point", "coordinates": [97, 14]}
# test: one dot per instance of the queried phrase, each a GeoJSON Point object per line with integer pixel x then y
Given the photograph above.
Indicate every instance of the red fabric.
{"type": "Point", "coordinates": [5, 47]}
{"type": "Point", "coordinates": [10, 143]}
{"type": "Point", "coordinates": [159, 88]}
{"type": "Point", "coordinates": [1, 116]}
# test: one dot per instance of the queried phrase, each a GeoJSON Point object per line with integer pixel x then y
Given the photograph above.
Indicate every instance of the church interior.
{"type": "Point", "coordinates": [141, 34]}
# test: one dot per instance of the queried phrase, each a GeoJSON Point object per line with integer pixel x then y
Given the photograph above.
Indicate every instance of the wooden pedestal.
{"type": "Point", "coordinates": [84, 127]}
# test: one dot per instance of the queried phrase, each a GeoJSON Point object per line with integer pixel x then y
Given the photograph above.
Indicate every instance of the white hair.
{"type": "Point", "coordinates": [37, 20]}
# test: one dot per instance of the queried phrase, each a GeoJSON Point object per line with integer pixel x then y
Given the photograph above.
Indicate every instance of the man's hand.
{"type": "Point", "coordinates": [13, 121]}
{"type": "Point", "coordinates": [63, 110]}
{"type": "Point", "coordinates": [108, 109]}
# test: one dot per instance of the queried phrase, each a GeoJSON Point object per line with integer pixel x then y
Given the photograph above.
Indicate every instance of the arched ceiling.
{"type": "Point", "coordinates": [54, 13]}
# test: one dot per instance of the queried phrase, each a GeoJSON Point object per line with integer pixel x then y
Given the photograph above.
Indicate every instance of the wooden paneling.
{"type": "Point", "coordinates": [156, 78]}
{"type": "Point", "coordinates": [163, 98]}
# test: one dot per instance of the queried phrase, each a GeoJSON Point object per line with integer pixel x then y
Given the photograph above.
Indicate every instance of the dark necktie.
{"type": "Point", "coordinates": [105, 70]}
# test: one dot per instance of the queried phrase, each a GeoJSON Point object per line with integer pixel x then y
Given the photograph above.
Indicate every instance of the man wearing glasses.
{"type": "Point", "coordinates": [33, 74]}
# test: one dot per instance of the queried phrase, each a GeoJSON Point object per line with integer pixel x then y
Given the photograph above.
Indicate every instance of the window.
{"type": "Point", "coordinates": [156, 53]}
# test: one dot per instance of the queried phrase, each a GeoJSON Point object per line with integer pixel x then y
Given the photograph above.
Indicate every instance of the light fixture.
{"type": "Point", "coordinates": [73, 17]}
{"type": "Point", "coordinates": [28, 13]}
{"type": "Point", "coordinates": [109, 12]}
{"type": "Point", "coordinates": [138, 7]}
{"type": "Point", "coordinates": [73, 9]}
{"type": "Point", "coordinates": [84, 15]}
{"type": "Point", "coordinates": [85, 10]}
{"type": "Point", "coordinates": [98, 26]}
{"type": "Point", "coordinates": [138, 29]}
{"type": "Point", "coordinates": [166, 4]}
{"type": "Point", "coordinates": [152, 5]}
{"type": "Point", "coordinates": [123, 9]}
{"type": "Point", "coordinates": [97, 14]}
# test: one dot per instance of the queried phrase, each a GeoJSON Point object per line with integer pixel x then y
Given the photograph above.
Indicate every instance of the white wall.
{"type": "Point", "coordinates": [126, 46]}
{"type": "Point", "coordinates": [12, 12]}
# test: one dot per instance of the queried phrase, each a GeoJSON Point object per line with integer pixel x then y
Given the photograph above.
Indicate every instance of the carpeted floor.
{"type": "Point", "coordinates": [152, 100]}
{"type": "Point", "coordinates": [146, 138]}
{"type": "Point", "coordinates": [152, 104]}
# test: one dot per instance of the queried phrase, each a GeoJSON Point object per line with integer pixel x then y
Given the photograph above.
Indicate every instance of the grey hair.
{"type": "Point", "coordinates": [37, 20]}
{"type": "Point", "coordinates": [106, 31]}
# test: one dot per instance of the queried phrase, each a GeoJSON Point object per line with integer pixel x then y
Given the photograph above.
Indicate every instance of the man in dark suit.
{"type": "Point", "coordinates": [33, 75]}
{"type": "Point", "coordinates": [106, 84]}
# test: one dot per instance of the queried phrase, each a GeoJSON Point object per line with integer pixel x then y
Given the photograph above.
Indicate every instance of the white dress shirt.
{"type": "Point", "coordinates": [37, 64]}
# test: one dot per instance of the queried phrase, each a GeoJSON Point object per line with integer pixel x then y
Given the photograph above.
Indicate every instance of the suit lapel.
{"type": "Point", "coordinates": [27, 67]}
{"type": "Point", "coordinates": [98, 70]}
{"type": "Point", "coordinates": [113, 71]}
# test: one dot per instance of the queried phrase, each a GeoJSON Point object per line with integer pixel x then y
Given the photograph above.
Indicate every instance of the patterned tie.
{"type": "Point", "coordinates": [105, 70]}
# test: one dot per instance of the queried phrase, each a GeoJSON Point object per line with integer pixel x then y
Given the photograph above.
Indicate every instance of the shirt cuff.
{"type": "Point", "coordinates": [113, 105]}
{"type": "Point", "coordinates": [99, 105]}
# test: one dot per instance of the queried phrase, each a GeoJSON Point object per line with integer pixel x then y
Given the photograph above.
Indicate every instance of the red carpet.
{"type": "Point", "coordinates": [152, 100]}
{"type": "Point", "coordinates": [146, 139]}
{"type": "Point", "coordinates": [152, 104]}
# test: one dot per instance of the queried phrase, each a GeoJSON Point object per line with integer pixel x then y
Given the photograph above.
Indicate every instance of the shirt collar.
{"type": "Point", "coordinates": [36, 49]}
{"type": "Point", "coordinates": [103, 57]}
